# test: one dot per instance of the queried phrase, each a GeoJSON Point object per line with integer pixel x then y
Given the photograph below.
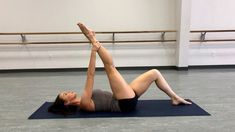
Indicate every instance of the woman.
{"type": "Point", "coordinates": [124, 96]}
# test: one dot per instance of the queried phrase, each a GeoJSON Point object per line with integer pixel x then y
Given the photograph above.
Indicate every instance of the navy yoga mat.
{"type": "Point", "coordinates": [145, 108]}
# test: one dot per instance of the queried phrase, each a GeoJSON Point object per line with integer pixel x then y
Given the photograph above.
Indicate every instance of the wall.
{"type": "Point", "coordinates": [102, 15]}
{"type": "Point", "coordinates": [212, 14]}
{"type": "Point", "coordinates": [113, 15]}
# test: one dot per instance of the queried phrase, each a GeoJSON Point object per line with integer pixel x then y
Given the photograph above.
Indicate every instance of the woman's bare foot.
{"type": "Point", "coordinates": [87, 32]}
{"type": "Point", "coordinates": [179, 100]}
{"type": "Point", "coordinates": [90, 35]}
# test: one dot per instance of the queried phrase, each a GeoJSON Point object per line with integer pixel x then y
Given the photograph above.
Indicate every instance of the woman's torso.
{"type": "Point", "coordinates": [104, 101]}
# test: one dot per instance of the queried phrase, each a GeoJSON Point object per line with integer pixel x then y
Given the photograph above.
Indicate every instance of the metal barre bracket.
{"type": "Point", "coordinates": [203, 36]}
{"type": "Point", "coordinates": [113, 38]}
{"type": "Point", "coordinates": [23, 38]}
{"type": "Point", "coordinates": [163, 36]}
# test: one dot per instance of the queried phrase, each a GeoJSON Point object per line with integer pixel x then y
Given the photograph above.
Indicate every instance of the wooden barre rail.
{"type": "Point", "coordinates": [204, 32]}
{"type": "Point", "coordinates": [79, 42]}
{"type": "Point", "coordinates": [199, 31]}
{"type": "Point", "coordinates": [213, 40]}
{"type": "Point", "coordinates": [113, 33]}
{"type": "Point", "coordinates": [105, 32]}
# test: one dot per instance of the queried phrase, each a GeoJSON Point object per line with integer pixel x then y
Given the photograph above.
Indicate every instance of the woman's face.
{"type": "Point", "coordinates": [68, 96]}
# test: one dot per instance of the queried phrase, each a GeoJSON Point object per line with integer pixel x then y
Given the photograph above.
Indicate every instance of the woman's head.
{"type": "Point", "coordinates": [65, 103]}
{"type": "Point", "coordinates": [67, 97]}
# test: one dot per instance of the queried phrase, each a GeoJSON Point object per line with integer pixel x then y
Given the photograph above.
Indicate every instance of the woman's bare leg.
{"type": "Point", "coordinates": [142, 83]}
{"type": "Point", "coordinates": [118, 85]}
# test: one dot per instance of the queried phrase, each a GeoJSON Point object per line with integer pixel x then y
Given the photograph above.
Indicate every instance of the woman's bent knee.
{"type": "Point", "coordinates": [155, 73]}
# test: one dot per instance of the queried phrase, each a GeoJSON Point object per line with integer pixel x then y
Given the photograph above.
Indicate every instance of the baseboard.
{"type": "Point", "coordinates": [83, 69]}
{"type": "Point", "coordinates": [120, 68]}
{"type": "Point", "coordinates": [181, 68]}
{"type": "Point", "coordinates": [211, 67]}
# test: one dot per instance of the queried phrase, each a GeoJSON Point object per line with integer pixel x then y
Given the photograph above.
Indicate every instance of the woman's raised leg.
{"type": "Point", "coordinates": [119, 86]}
{"type": "Point", "coordinates": [142, 83]}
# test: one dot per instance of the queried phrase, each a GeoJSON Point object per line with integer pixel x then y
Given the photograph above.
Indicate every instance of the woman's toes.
{"type": "Point", "coordinates": [87, 32]}
{"type": "Point", "coordinates": [179, 101]}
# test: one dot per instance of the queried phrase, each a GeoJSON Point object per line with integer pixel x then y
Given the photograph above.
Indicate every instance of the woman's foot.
{"type": "Point", "coordinates": [87, 32]}
{"type": "Point", "coordinates": [90, 36]}
{"type": "Point", "coordinates": [179, 101]}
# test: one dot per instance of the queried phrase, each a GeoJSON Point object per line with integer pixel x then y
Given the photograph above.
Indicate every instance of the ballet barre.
{"type": "Point", "coordinates": [24, 41]}
{"type": "Point", "coordinates": [204, 32]}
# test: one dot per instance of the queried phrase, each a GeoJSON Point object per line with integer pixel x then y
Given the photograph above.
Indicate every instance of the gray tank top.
{"type": "Point", "coordinates": [104, 101]}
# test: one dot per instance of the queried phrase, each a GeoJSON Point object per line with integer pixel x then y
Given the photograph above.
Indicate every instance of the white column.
{"type": "Point", "coordinates": [183, 14]}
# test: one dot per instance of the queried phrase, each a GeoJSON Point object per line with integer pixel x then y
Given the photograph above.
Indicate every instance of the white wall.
{"type": "Point", "coordinates": [113, 15]}
{"type": "Point", "coordinates": [212, 14]}
{"type": "Point", "coordinates": [183, 9]}
{"type": "Point", "coordinates": [100, 15]}
{"type": "Point", "coordinates": [62, 15]}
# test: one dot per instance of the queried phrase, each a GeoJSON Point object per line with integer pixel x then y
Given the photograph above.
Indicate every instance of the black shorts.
{"type": "Point", "coordinates": [127, 105]}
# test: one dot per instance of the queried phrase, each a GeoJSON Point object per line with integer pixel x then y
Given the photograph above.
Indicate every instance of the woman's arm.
{"type": "Point", "coordinates": [86, 101]}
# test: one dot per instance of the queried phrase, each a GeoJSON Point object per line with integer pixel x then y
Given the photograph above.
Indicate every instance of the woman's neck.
{"type": "Point", "coordinates": [76, 101]}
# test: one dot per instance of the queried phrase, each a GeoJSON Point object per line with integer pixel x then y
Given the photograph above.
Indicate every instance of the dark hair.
{"type": "Point", "coordinates": [58, 107]}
